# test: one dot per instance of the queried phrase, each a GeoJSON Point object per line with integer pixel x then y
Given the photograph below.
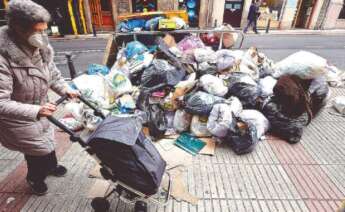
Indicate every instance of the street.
{"type": "Point", "coordinates": [276, 47]}
{"type": "Point", "coordinates": [277, 176]}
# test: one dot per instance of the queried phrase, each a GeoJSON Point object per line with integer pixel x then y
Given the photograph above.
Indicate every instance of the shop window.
{"type": "Point", "coordinates": [192, 7]}
{"type": "Point", "coordinates": [144, 5]}
{"type": "Point", "coordinates": [105, 5]}
{"type": "Point", "coordinates": [342, 12]}
{"type": "Point", "coordinates": [274, 7]}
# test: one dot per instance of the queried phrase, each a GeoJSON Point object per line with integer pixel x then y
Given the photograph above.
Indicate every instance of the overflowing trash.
{"type": "Point", "coordinates": [189, 89]}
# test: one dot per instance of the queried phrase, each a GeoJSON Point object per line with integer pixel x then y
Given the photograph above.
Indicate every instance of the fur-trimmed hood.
{"type": "Point", "coordinates": [10, 50]}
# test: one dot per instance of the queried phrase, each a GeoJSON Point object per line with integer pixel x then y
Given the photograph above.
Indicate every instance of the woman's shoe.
{"type": "Point", "coordinates": [58, 171]}
{"type": "Point", "coordinates": [38, 188]}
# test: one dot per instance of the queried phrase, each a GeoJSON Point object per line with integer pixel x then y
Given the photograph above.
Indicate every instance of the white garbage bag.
{"type": "Point", "coordinates": [257, 119]}
{"type": "Point", "coordinates": [339, 104]}
{"type": "Point", "coordinates": [225, 60]}
{"type": "Point", "coordinates": [182, 121]}
{"type": "Point", "coordinates": [266, 86]}
{"type": "Point", "coordinates": [213, 85]}
{"type": "Point", "coordinates": [74, 109]}
{"type": "Point", "coordinates": [118, 83]}
{"type": "Point", "coordinates": [205, 55]}
{"type": "Point", "coordinates": [220, 120]}
{"type": "Point", "coordinates": [198, 126]}
{"type": "Point", "coordinates": [235, 105]}
{"type": "Point", "coordinates": [304, 64]}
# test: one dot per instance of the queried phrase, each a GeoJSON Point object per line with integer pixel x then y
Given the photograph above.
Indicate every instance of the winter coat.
{"type": "Point", "coordinates": [23, 88]}
{"type": "Point", "coordinates": [253, 12]}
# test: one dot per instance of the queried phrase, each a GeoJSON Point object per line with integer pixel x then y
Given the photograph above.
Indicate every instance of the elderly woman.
{"type": "Point", "coordinates": [27, 71]}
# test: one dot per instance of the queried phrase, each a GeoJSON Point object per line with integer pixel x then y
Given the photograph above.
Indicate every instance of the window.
{"type": "Point", "coordinates": [342, 12]}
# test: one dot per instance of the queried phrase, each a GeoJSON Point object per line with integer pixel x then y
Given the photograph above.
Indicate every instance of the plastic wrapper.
{"type": "Point", "coordinates": [304, 64]}
{"type": "Point", "coordinates": [201, 103]}
{"type": "Point", "coordinates": [93, 69]}
{"type": "Point", "coordinates": [182, 121]}
{"type": "Point", "coordinates": [169, 117]}
{"type": "Point", "coordinates": [89, 120]}
{"type": "Point", "coordinates": [220, 120]}
{"type": "Point", "coordinates": [198, 126]}
{"type": "Point", "coordinates": [266, 86]}
{"type": "Point", "coordinates": [190, 43]}
{"type": "Point", "coordinates": [289, 129]}
{"type": "Point", "coordinates": [180, 23]}
{"type": "Point", "coordinates": [126, 104]}
{"type": "Point", "coordinates": [72, 123]}
{"type": "Point", "coordinates": [213, 85]}
{"type": "Point", "coordinates": [161, 74]}
{"type": "Point", "coordinates": [225, 59]}
{"type": "Point", "coordinates": [257, 119]}
{"type": "Point", "coordinates": [339, 104]}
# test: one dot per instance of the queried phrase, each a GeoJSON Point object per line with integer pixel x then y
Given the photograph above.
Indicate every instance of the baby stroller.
{"type": "Point", "coordinates": [127, 158]}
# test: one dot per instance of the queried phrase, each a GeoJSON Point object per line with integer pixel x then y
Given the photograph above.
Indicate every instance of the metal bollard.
{"type": "Point", "coordinates": [94, 31]}
{"type": "Point", "coordinates": [72, 71]}
{"type": "Point", "coordinates": [268, 25]}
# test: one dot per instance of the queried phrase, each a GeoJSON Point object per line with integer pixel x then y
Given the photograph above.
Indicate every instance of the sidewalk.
{"type": "Point", "coordinates": [262, 32]}
{"type": "Point", "coordinates": [277, 176]}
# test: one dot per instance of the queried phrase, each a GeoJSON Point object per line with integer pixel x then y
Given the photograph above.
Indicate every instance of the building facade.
{"type": "Point", "coordinates": [84, 16]}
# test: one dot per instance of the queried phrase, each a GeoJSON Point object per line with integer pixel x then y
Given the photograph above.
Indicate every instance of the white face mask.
{"type": "Point", "coordinates": [39, 40]}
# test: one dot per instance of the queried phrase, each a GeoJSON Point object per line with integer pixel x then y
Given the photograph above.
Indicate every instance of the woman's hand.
{"type": "Point", "coordinates": [73, 94]}
{"type": "Point", "coordinates": [47, 110]}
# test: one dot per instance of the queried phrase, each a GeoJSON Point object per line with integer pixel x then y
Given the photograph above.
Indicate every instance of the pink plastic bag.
{"type": "Point", "coordinates": [190, 43]}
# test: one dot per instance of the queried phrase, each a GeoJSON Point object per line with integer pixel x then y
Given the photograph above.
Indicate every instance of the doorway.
{"type": "Point", "coordinates": [233, 12]}
{"type": "Point", "coordinates": [101, 15]}
{"type": "Point", "coordinates": [305, 8]}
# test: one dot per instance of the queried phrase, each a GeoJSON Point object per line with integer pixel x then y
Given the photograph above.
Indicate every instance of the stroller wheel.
{"type": "Point", "coordinates": [140, 206]}
{"type": "Point", "coordinates": [100, 204]}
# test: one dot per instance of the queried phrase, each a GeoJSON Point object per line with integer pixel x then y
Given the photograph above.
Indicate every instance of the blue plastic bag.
{"type": "Point", "coordinates": [94, 69]}
{"type": "Point", "coordinates": [134, 48]}
{"type": "Point", "coordinates": [130, 25]}
{"type": "Point", "coordinates": [152, 24]}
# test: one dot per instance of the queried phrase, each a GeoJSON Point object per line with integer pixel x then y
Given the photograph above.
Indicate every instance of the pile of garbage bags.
{"type": "Point", "coordinates": [235, 96]}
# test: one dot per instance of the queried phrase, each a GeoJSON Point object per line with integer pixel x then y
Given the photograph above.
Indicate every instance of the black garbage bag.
{"type": "Point", "coordinates": [245, 88]}
{"type": "Point", "coordinates": [156, 120]}
{"type": "Point", "coordinates": [161, 73]}
{"type": "Point", "coordinates": [242, 140]}
{"type": "Point", "coordinates": [287, 128]}
{"type": "Point", "coordinates": [201, 103]}
{"type": "Point", "coordinates": [318, 91]}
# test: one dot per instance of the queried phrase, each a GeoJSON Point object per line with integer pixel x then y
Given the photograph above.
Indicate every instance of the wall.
{"type": "Point", "coordinates": [164, 5]}
{"type": "Point", "coordinates": [340, 24]}
{"type": "Point", "coordinates": [289, 12]}
{"type": "Point", "coordinates": [217, 12]}
{"type": "Point", "coordinates": [315, 14]}
{"type": "Point", "coordinates": [332, 14]}
{"type": "Point", "coordinates": [245, 12]}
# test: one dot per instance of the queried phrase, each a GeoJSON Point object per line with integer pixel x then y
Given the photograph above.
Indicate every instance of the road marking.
{"type": "Point", "coordinates": [314, 47]}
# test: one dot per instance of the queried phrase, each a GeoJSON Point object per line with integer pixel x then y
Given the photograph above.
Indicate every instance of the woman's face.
{"type": "Point", "coordinates": [36, 28]}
